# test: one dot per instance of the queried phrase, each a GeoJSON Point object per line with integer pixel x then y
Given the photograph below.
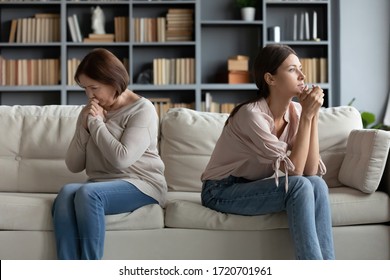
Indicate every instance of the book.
{"type": "Point", "coordinates": [93, 40]}
{"type": "Point", "coordinates": [109, 36]}
{"type": "Point", "coordinates": [12, 33]}
{"type": "Point", "coordinates": [72, 29]}
{"type": "Point", "coordinates": [77, 28]}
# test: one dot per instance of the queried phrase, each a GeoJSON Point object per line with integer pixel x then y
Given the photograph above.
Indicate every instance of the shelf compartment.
{"type": "Point", "coordinates": [30, 96]}
{"type": "Point", "coordinates": [143, 57]}
{"type": "Point", "coordinates": [83, 12]}
{"type": "Point", "coordinates": [247, 40]}
{"type": "Point", "coordinates": [26, 10]}
{"type": "Point", "coordinates": [225, 10]}
{"type": "Point", "coordinates": [283, 16]}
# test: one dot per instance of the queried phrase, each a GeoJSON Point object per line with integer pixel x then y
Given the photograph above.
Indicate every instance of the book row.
{"type": "Point", "coordinates": [41, 28]}
{"type": "Point", "coordinates": [177, 25]}
{"type": "Point", "coordinates": [209, 105]}
{"type": "Point", "coordinates": [173, 71]}
{"type": "Point", "coordinates": [162, 105]}
{"type": "Point", "coordinates": [315, 69]}
{"type": "Point", "coordinates": [26, 72]}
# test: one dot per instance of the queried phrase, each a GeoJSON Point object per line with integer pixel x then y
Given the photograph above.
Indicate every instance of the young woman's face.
{"type": "Point", "coordinates": [93, 89]}
{"type": "Point", "coordinates": [289, 77]}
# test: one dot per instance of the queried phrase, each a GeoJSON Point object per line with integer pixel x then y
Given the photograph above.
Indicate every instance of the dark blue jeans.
{"type": "Point", "coordinates": [306, 203]}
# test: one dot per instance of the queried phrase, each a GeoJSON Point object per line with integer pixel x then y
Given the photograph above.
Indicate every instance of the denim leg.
{"type": "Point", "coordinates": [305, 201]}
{"type": "Point", "coordinates": [239, 196]}
{"type": "Point", "coordinates": [92, 201]}
{"type": "Point", "coordinates": [323, 217]}
{"type": "Point", "coordinates": [65, 225]}
{"type": "Point", "coordinates": [300, 207]}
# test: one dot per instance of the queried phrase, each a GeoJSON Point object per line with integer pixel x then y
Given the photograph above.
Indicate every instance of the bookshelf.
{"type": "Point", "coordinates": [214, 33]}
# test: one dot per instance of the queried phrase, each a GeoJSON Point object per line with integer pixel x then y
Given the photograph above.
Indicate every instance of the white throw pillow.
{"type": "Point", "coordinates": [365, 159]}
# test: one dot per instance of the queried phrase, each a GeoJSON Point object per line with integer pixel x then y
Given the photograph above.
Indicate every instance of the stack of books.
{"type": "Point", "coordinates": [93, 38]}
{"type": "Point", "coordinates": [238, 69]}
{"type": "Point", "coordinates": [180, 24]}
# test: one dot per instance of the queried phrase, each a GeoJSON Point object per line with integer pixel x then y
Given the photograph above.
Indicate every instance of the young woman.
{"type": "Point", "coordinates": [269, 133]}
{"type": "Point", "coordinates": [116, 143]}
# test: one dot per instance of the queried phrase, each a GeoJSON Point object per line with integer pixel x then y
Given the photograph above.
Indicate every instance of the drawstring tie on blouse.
{"type": "Point", "coordinates": [288, 165]}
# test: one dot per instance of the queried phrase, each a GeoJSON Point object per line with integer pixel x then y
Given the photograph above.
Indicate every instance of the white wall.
{"type": "Point", "coordinates": [364, 53]}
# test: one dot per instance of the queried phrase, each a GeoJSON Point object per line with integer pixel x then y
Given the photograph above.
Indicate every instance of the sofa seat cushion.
{"type": "Point", "coordinates": [353, 207]}
{"type": "Point", "coordinates": [32, 211]}
{"type": "Point", "coordinates": [349, 207]}
{"type": "Point", "coordinates": [184, 210]}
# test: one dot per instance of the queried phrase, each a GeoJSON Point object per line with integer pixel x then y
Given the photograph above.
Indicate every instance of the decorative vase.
{"type": "Point", "coordinates": [248, 13]}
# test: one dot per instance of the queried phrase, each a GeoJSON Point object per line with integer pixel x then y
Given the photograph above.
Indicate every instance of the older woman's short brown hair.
{"type": "Point", "coordinates": [103, 66]}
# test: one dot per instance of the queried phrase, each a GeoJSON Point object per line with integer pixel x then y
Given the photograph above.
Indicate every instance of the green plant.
{"type": "Point", "coordinates": [368, 119]}
{"type": "Point", "coordinates": [246, 3]}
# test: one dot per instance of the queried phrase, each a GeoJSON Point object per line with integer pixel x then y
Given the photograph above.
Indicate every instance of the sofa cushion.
{"type": "Point", "coordinates": [32, 211]}
{"type": "Point", "coordinates": [365, 159]}
{"type": "Point", "coordinates": [334, 127]}
{"type": "Point", "coordinates": [349, 207]}
{"type": "Point", "coordinates": [353, 207]}
{"type": "Point", "coordinates": [33, 147]}
{"type": "Point", "coordinates": [188, 138]}
{"type": "Point", "coordinates": [188, 214]}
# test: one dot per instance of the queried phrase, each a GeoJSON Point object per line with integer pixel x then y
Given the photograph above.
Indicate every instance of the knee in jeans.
{"type": "Point", "coordinates": [319, 185]}
{"type": "Point", "coordinates": [85, 193]}
{"type": "Point", "coordinates": [300, 185]}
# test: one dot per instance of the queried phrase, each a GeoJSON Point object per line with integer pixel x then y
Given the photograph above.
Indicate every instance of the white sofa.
{"type": "Point", "coordinates": [34, 139]}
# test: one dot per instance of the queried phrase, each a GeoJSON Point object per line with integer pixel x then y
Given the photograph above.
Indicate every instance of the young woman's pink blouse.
{"type": "Point", "coordinates": [248, 146]}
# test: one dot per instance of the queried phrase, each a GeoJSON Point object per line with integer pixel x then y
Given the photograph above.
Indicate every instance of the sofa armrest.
{"type": "Point", "coordinates": [365, 159]}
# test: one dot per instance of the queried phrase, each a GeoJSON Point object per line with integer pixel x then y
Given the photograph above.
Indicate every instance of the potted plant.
{"type": "Point", "coordinates": [248, 9]}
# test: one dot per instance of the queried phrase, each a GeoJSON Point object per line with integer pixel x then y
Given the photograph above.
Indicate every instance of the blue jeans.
{"type": "Point", "coordinates": [306, 203]}
{"type": "Point", "coordinates": [79, 215]}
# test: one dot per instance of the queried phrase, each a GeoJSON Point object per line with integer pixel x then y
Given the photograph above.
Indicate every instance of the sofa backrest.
{"type": "Point", "coordinates": [34, 140]}
{"type": "Point", "coordinates": [33, 143]}
{"type": "Point", "coordinates": [188, 138]}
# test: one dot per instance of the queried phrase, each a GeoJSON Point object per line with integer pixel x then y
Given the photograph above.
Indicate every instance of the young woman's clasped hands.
{"type": "Point", "coordinates": [311, 99]}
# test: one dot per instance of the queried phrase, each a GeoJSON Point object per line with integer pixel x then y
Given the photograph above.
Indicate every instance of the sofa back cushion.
{"type": "Point", "coordinates": [188, 138]}
{"type": "Point", "coordinates": [33, 144]}
{"type": "Point", "coordinates": [334, 126]}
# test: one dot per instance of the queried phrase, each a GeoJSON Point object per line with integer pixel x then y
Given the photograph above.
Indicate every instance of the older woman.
{"type": "Point", "coordinates": [116, 143]}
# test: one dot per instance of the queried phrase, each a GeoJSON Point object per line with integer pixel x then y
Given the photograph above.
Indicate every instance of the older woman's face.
{"type": "Point", "coordinates": [104, 94]}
